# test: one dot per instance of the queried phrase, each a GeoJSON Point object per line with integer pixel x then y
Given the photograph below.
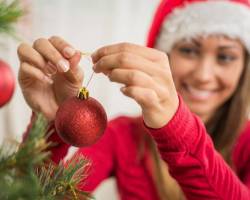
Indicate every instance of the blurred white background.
{"type": "Point", "coordinates": [87, 25]}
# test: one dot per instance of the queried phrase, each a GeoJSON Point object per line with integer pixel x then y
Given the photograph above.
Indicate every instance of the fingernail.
{"type": "Point", "coordinates": [69, 52]}
{"type": "Point", "coordinates": [63, 65]}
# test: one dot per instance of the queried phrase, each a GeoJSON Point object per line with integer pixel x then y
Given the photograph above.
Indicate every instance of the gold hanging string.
{"type": "Point", "coordinates": [85, 54]}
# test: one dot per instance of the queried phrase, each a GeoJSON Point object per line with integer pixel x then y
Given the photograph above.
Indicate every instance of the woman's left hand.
{"type": "Point", "coordinates": [147, 77]}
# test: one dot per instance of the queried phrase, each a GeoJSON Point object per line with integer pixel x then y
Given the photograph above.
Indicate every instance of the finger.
{"type": "Point", "coordinates": [50, 53]}
{"type": "Point", "coordinates": [52, 70]}
{"type": "Point", "coordinates": [74, 61]}
{"type": "Point", "coordinates": [28, 71]}
{"type": "Point", "coordinates": [29, 55]}
{"type": "Point", "coordinates": [62, 46]}
{"type": "Point", "coordinates": [74, 76]}
{"type": "Point", "coordinates": [67, 51]}
{"type": "Point", "coordinates": [127, 61]}
{"type": "Point", "coordinates": [145, 52]}
{"type": "Point", "coordinates": [135, 78]}
{"type": "Point", "coordinates": [145, 97]}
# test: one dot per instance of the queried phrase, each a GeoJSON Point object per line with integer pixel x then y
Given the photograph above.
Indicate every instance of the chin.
{"type": "Point", "coordinates": [200, 109]}
{"type": "Point", "coordinates": [203, 102]}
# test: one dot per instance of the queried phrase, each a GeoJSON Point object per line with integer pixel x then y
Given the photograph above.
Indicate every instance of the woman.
{"type": "Point", "coordinates": [194, 103]}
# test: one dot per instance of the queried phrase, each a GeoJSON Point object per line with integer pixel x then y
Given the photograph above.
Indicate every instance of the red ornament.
{"type": "Point", "coordinates": [81, 121]}
{"type": "Point", "coordinates": [7, 83]}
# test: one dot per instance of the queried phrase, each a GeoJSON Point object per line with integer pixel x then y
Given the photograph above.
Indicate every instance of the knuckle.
{"type": "Point", "coordinates": [100, 63]}
{"type": "Point", "coordinates": [123, 58]}
{"type": "Point", "coordinates": [132, 91]}
{"type": "Point", "coordinates": [111, 75]}
{"type": "Point", "coordinates": [21, 48]}
{"type": "Point", "coordinates": [132, 77]}
{"type": "Point", "coordinates": [57, 41]}
{"type": "Point", "coordinates": [150, 95]}
{"type": "Point", "coordinates": [53, 38]}
{"type": "Point", "coordinates": [38, 42]}
{"type": "Point", "coordinates": [162, 55]}
{"type": "Point", "coordinates": [164, 93]}
{"type": "Point", "coordinates": [114, 73]}
{"type": "Point", "coordinates": [163, 73]}
{"type": "Point", "coordinates": [125, 46]}
{"type": "Point", "coordinates": [103, 51]}
{"type": "Point", "coordinates": [146, 99]}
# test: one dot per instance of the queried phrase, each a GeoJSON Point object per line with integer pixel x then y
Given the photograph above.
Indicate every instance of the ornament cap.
{"type": "Point", "coordinates": [83, 93]}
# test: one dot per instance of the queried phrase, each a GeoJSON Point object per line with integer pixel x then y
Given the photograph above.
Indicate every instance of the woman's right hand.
{"type": "Point", "coordinates": [42, 91]}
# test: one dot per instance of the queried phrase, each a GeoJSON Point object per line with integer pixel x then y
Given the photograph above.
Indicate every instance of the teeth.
{"type": "Point", "coordinates": [202, 94]}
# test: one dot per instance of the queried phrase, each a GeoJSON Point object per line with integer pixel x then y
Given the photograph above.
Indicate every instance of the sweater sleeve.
{"type": "Point", "coordinates": [193, 161]}
{"type": "Point", "coordinates": [101, 155]}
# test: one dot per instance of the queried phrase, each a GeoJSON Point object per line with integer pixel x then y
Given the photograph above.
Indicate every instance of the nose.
{"type": "Point", "coordinates": [204, 71]}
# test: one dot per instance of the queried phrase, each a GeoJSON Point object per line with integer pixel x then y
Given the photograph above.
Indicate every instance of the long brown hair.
{"type": "Point", "coordinates": [224, 128]}
{"type": "Point", "coordinates": [230, 118]}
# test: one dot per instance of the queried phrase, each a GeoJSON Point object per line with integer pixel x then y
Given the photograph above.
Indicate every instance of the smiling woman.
{"type": "Point", "coordinates": [190, 82]}
{"type": "Point", "coordinates": [207, 71]}
{"type": "Point", "coordinates": [209, 63]}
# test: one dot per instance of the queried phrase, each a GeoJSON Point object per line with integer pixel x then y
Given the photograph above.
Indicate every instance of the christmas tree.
{"type": "Point", "coordinates": [10, 12]}
{"type": "Point", "coordinates": [26, 172]}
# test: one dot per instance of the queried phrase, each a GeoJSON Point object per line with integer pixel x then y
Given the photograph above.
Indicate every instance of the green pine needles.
{"type": "Point", "coordinates": [26, 173]}
{"type": "Point", "coordinates": [10, 12]}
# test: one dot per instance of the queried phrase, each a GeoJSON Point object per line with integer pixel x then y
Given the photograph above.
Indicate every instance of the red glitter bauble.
{"type": "Point", "coordinates": [81, 122]}
{"type": "Point", "coordinates": [7, 83]}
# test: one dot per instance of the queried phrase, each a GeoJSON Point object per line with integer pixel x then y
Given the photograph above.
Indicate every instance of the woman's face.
{"type": "Point", "coordinates": [206, 72]}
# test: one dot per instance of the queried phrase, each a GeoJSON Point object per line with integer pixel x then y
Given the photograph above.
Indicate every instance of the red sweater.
{"type": "Point", "coordinates": [183, 143]}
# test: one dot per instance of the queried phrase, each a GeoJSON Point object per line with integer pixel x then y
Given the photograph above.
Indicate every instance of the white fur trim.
{"type": "Point", "coordinates": [206, 18]}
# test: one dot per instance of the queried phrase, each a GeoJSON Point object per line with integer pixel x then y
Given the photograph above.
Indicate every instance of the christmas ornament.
{"type": "Point", "coordinates": [7, 83]}
{"type": "Point", "coordinates": [81, 121]}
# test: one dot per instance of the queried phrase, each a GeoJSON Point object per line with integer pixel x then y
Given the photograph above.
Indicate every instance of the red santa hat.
{"type": "Point", "coordinates": [179, 19]}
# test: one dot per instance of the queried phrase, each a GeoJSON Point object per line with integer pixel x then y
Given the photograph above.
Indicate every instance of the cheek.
{"type": "Point", "coordinates": [230, 81]}
{"type": "Point", "coordinates": [230, 77]}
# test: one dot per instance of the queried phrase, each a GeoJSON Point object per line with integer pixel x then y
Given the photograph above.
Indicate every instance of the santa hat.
{"type": "Point", "coordinates": [179, 19]}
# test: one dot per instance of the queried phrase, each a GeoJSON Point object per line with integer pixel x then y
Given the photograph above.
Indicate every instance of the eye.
{"type": "Point", "coordinates": [189, 51]}
{"type": "Point", "coordinates": [225, 58]}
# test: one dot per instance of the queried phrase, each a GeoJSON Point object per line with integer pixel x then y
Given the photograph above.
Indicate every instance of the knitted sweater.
{"type": "Point", "coordinates": [186, 147]}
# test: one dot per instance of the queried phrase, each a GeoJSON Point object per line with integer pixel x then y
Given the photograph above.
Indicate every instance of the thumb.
{"type": "Point", "coordinates": [74, 61]}
{"type": "Point", "coordinates": [74, 74]}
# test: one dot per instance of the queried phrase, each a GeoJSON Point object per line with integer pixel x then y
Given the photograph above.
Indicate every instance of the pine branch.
{"type": "Point", "coordinates": [27, 173]}
{"type": "Point", "coordinates": [64, 179]}
{"type": "Point", "coordinates": [9, 15]}
{"type": "Point", "coordinates": [30, 153]}
{"type": "Point", "coordinates": [17, 177]}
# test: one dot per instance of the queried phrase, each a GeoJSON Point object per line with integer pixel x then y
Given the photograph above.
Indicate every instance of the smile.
{"type": "Point", "coordinates": [198, 94]}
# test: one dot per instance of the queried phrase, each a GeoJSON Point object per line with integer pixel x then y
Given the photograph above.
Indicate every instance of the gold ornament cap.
{"type": "Point", "coordinates": [83, 93]}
